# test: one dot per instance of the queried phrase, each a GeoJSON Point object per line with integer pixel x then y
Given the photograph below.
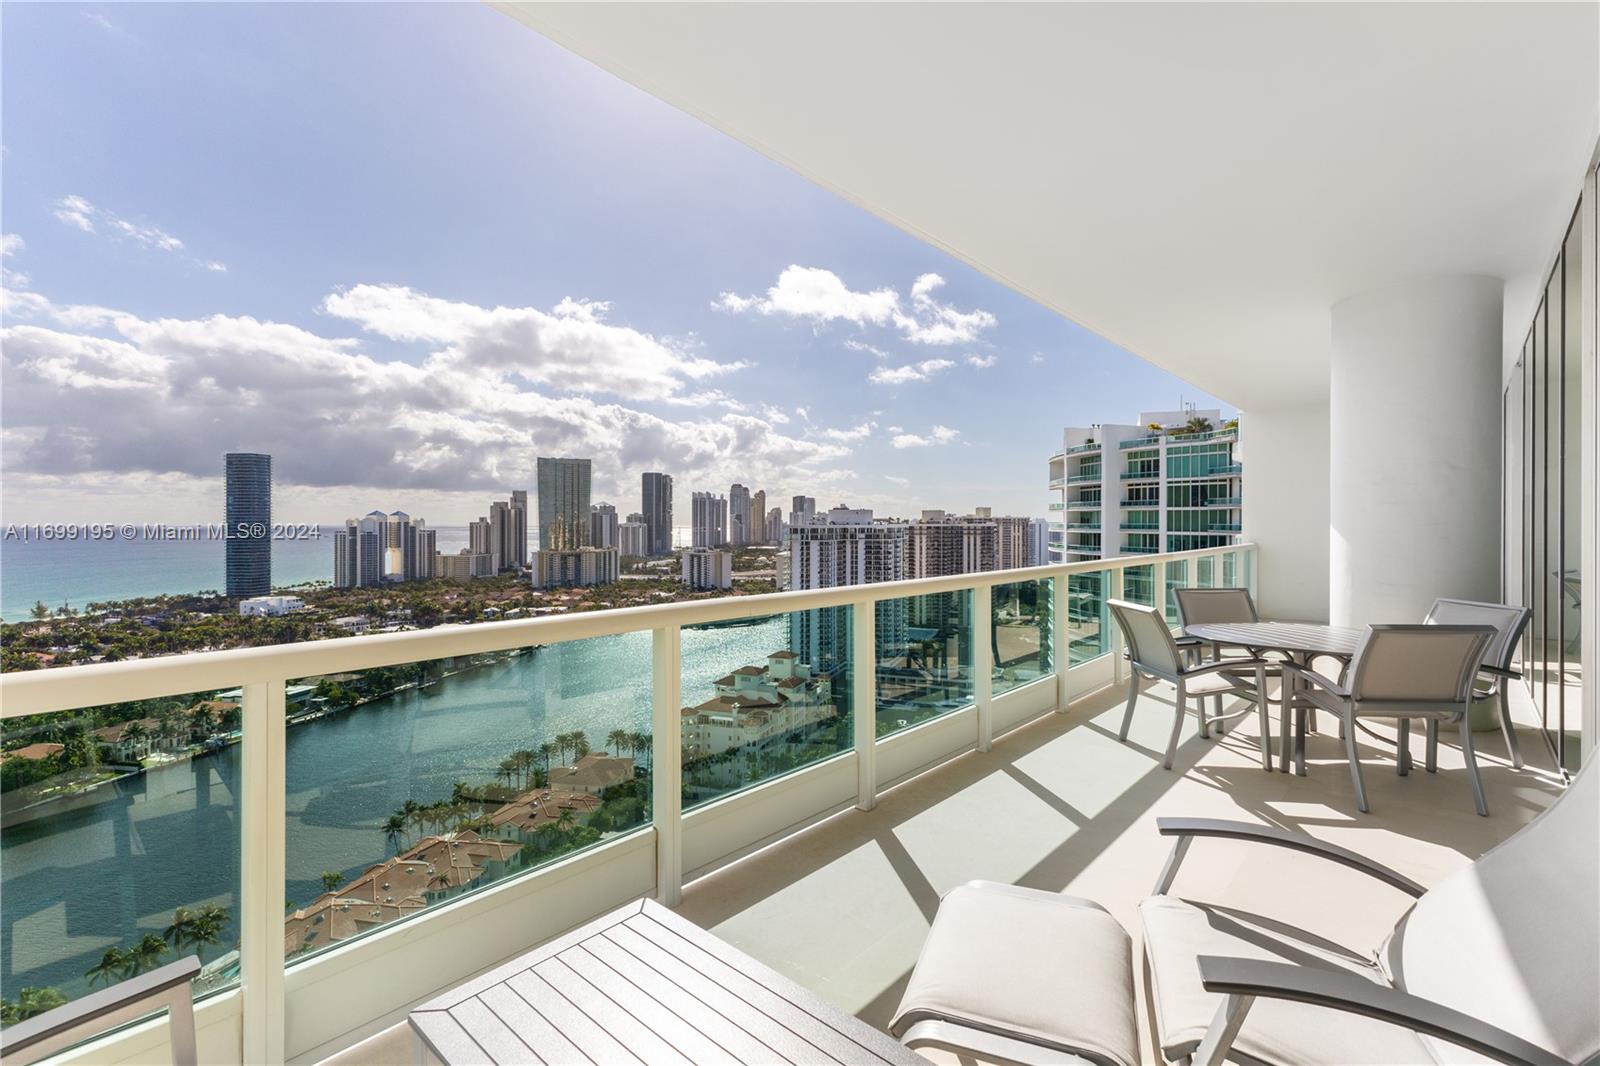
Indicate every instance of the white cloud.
{"type": "Point", "coordinates": [901, 375]}
{"type": "Point", "coordinates": [863, 346]}
{"type": "Point", "coordinates": [1036, 358]}
{"type": "Point", "coordinates": [76, 211]}
{"type": "Point", "coordinates": [820, 296]}
{"type": "Point", "coordinates": [903, 482]}
{"type": "Point", "coordinates": [11, 244]}
{"type": "Point", "coordinates": [570, 348]}
{"type": "Point", "coordinates": [805, 416]}
{"type": "Point", "coordinates": [79, 213]}
{"type": "Point", "coordinates": [774, 414]}
{"type": "Point", "coordinates": [982, 362]}
{"type": "Point", "coordinates": [164, 398]}
{"type": "Point", "coordinates": [99, 20]}
{"type": "Point", "coordinates": [938, 435]}
{"type": "Point", "coordinates": [855, 433]}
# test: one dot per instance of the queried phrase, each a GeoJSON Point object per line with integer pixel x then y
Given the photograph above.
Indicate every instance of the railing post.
{"type": "Point", "coordinates": [666, 761]}
{"type": "Point", "coordinates": [1115, 590]}
{"type": "Point", "coordinates": [1061, 639]}
{"type": "Point", "coordinates": [262, 902]}
{"type": "Point", "coordinates": [864, 699]}
{"type": "Point", "coordinates": [983, 663]}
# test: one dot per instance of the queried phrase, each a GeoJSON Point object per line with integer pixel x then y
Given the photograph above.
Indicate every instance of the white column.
{"type": "Point", "coordinates": [1284, 451]}
{"type": "Point", "coordinates": [983, 663]}
{"type": "Point", "coordinates": [864, 699]}
{"type": "Point", "coordinates": [1414, 454]}
{"type": "Point", "coordinates": [1061, 640]}
{"type": "Point", "coordinates": [261, 811]}
{"type": "Point", "coordinates": [666, 762]}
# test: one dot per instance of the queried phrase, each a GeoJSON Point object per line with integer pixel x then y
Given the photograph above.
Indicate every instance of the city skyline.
{"type": "Point", "coordinates": [733, 323]}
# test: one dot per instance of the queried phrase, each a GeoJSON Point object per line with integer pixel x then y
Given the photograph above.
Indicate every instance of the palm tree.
{"type": "Point", "coordinates": [331, 879]}
{"type": "Point", "coordinates": [182, 930]}
{"type": "Point", "coordinates": [580, 745]}
{"type": "Point", "coordinates": [208, 927]}
{"type": "Point", "coordinates": [110, 967]}
{"type": "Point", "coordinates": [394, 830]}
{"type": "Point", "coordinates": [40, 612]}
{"type": "Point", "coordinates": [147, 953]}
{"type": "Point", "coordinates": [546, 750]}
{"type": "Point", "coordinates": [1197, 425]}
{"type": "Point", "coordinates": [32, 1001]}
{"type": "Point", "coordinates": [617, 740]}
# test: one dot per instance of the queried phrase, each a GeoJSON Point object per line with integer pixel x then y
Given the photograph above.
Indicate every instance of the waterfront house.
{"type": "Point", "coordinates": [531, 811]}
{"type": "Point", "coordinates": [593, 773]}
{"type": "Point", "coordinates": [754, 704]}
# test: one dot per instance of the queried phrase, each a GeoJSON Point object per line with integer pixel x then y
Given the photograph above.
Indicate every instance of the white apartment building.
{"type": "Point", "coordinates": [941, 544]}
{"type": "Point", "coordinates": [576, 567]}
{"type": "Point", "coordinates": [755, 704]}
{"type": "Point", "coordinates": [845, 546]}
{"type": "Point", "coordinates": [603, 526]}
{"type": "Point", "coordinates": [1172, 482]}
{"type": "Point", "coordinates": [709, 515]}
{"type": "Point", "coordinates": [707, 568]}
{"type": "Point", "coordinates": [739, 525]}
{"type": "Point", "coordinates": [463, 566]}
{"type": "Point", "coordinates": [269, 606]}
{"type": "Point", "coordinates": [633, 538]}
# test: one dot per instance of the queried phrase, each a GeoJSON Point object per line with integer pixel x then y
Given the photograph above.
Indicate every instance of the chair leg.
{"type": "Point", "coordinates": [1508, 729]}
{"type": "Point", "coordinates": [1133, 697]}
{"type": "Point", "coordinates": [1402, 756]}
{"type": "Point", "coordinates": [1472, 765]}
{"type": "Point", "coordinates": [1177, 727]}
{"type": "Point", "coordinates": [1286, 701]}
{"type": "Point", "coordinates": [1200, 709]}
{"type": "Point", "coordinates": [1216, 713]}
{"type": "Point", "coordinates": [1261, 715]}
{"type": "Point", "coordinates": [1355, 765]}
{"type": "Point", "coordinates": [1432, 764]}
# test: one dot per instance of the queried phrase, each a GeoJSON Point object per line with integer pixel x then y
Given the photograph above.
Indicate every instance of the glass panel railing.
{"type": "Point", "coordinates": [1088, 618]}
{"type": "Point", "coordinates": [1021, 642]}
{"type": "Point", "coordinates": [1139, 584]}
{"type": "Point", "coordinates": [1205, 572]}
{"type": "Point", "coordinates": [411, 785]}
{"type": "Point", "coordinates": [762, 697]}
{"type": "Point", "coordinates": [1231, 577]}
{"type": "Point", "coordinates": [1177, 578]}
{"type": "Point", "coordinates": [924, 658]}
{"type": "Point", "coordinates": [121, 847]}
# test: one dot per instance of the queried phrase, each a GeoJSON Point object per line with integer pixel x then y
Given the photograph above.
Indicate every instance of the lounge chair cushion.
{"type": "Point", "coordinates": [1177, 931]}
{"type": "Point", "coordinates": [1053, 970]}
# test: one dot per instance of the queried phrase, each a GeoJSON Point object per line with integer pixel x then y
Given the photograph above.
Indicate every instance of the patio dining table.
{"type": "Point", "coordinates": [642, 985]}
{"type": "Point", "coordinates": [1301, 642]}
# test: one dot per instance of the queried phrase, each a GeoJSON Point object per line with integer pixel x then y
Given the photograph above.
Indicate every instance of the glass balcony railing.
{"type": "Point", "coordinates": [1057, 482]}
{"type": "Point", "coordinates": [1224, 501]}
{"type": "Point", "coordinates": [1083, 525]}
{"type": "Point", "coordinates": [1141, 475]}
{"type": "Point", "coordinates": [1093, 446]}
{"type": "Point", "coordinates": [1141, 525]}
{"type": "Point", "coordinates": [1079, 478]}
{"type": "Point", "coordinates": [409, 776]}
{"type": "Point", "coordinates": [1058, 505]}
{"type": "Point", "coordinates": [1138, 549]}
{"type": "Point", "coordinates": [1140, 442]}
{"type": "Point", "coordinates": [1140, 503]}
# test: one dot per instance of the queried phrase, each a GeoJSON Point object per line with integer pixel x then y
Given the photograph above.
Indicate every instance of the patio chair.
{"type": "Point", "coordinates": [1496, 671]}
{"type": "Point", "coordinates": [1152, 650]}
{"type": "Point", "coordinates": [1198, 606]}
{"type": "Point", "coordinates": [1403, 672]}
{"type": "Point", "coordinates": [1499, 960]}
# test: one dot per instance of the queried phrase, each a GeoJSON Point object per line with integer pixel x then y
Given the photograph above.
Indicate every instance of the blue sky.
{"type": "Point", "coordinates": [408, 248]}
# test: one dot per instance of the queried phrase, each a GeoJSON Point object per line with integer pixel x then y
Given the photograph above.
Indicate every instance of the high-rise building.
{"type": "Point", "coordinates": [358, 551]}
{"type": "Point", "coordinates": [1038, 541]}
{"type": "Point", "coordinates": [633, 537]}
{"type": "Point", "coordinates": [1171, 483]}
{"type": "Point", "coordinates": [247, 512]}
{"type": "Point", "coordinates": [502, 527]}
{"type": "Point", "coordinates": [707, 568]}
{"type": "Point", "coordinates": [480, 541]}
{"type": "Point", "coordinates": [738, 515]}
{"type": "Point", "coordinates": [710, 520]}
{"type": "Point", "coordinates": [758, 518]}
{"type": "Point", "coordinates": [563, 504]}
{"type": "Point", "coordinates": [1011, 543]}
{"type": "Point", "coordinates": [656, 506]}
{"type": "Point", "coordinates": [463, 566]}
{"type": "Point", "coordinates": [844, 547]}
{"type": "Point", "coordinates": [574, 567]}
{"type": "Point", "coordinates": [517, 530]}
{"type": "Point", "coordinates": [777, 528]}
{"type": "Point", "coordinates": [941, 545]}
{"type": "Point", "coordinates": [802, 509]}
{"type": "Point", "coordinates": [427, 552]}
{"type": "Point", "coordinates": [603, 526]}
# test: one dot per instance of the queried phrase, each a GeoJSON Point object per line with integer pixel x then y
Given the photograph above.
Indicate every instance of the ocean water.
{"type": "Point", "coordinates": [78, 572]}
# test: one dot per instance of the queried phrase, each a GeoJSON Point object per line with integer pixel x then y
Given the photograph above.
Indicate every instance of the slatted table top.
{"type": "Point", "coordinates": [1305, 637]}
{"type": "Point", "coordinates": [642, 985]}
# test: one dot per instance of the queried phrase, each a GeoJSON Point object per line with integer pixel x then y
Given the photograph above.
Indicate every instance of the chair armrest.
{"type": "Point", "coordinates": [1499, 671]}
{"type": "Point", "coordinates": [1217, 665]}
{"type": "Point", "coordinates": [1323, 681]}
{"type": "Point", "coordinates": [1343, 991]}
{"type": "Point", "coordinates": [143, 989]}
{"type": "Point", "coordinates": [1189, 828]}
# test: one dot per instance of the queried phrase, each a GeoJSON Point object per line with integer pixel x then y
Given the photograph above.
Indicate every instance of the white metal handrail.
{"type": "Point", "coordinates": [262, 674]}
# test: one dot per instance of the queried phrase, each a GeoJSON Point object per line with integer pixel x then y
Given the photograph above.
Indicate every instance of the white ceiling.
{"type": "Point", "coordinates": [1198, 183]}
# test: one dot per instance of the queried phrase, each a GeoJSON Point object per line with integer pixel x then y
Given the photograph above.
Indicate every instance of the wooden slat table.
{"type": "Point", "coordinates": [642, 985]}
